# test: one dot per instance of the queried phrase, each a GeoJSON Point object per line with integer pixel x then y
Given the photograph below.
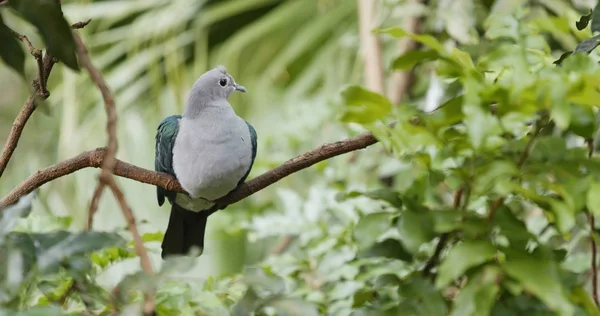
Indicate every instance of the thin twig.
{"type": "Point", "coordinates": [108, 165]}
{"type": "Point", "coordinates": [432, 262]}
{"type": "Point", "coordinates": [593, 247]}
{"type": "Point", "coordinates": [94, 158]}
{"type": "Point", "coordinates": [109, 105]}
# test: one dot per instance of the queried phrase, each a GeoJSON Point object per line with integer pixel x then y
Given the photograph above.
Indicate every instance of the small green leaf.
{"type": "Point", "coordinates": [415, 229]}
{"type": "Point", "coordinates": [562, 57]}
{"type": "Point", "coordinates": [246, 305]}
{"type": "Point", "coordinates": [583, 21]}
{"type": "Point", "coordinates": [477, 298]}
{"type": "Point", "coordinates": [424, 39]}
{"type": "Point", "coordinates": [364, 106]}
{"type": "Point", "coordinates": [389, 248]}
{"type": "Point", "coordinates": [593, 198]}
{"type": "Point", "coordinates": [412, 58]}
{"type": "Point", "coordinates": [538, 273]}
{"type": "Point", "coordinates": [421, 298]}
{"type": "Point", "coordinates": [10, 215]}
{"type": "Point", "coordinates": [10, 50]}
{"type": "Point", "coordinates": [386, 195]}
{"type": "Point", "coordinates": [466, 255]}
{"type": "Point", "coordinates": [48, 18]}
{"type": "Point", "coordinates": [370, 227]}
{"type": "Point", "coordinates": [583, 121]}
{"type": "Point", "coordinates": [561, 114]}
{"type": "Point", "coordinates": [588, 45]}
{"type": "Point", "coordinates": [565, 216]}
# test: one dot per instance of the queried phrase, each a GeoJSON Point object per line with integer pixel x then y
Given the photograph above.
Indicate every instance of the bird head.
{"type": "Point", "coordinates": [216, 84]}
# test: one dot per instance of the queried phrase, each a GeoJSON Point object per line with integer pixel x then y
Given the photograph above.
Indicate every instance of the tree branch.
{"type": "Point", "coordinates": [108, 164]}
{"type": "Point", "coordinates": [94, 158]}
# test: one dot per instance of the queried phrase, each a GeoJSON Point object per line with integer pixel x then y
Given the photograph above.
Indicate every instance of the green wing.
{"type": "Point", "coordinates": [163, 156]}
{"type": "Point", "coordinates": [254, 143]}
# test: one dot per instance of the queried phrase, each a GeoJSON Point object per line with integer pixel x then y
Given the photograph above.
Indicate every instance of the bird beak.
{"type": "Point", "coordinates": [240, 88]}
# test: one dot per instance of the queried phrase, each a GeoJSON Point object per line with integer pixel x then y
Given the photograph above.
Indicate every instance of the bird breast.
{"type": "Point", "coordinates": [211, 155]}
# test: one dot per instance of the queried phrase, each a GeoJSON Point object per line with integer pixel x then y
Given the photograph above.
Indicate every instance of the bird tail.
{"type": "Point", "coordinates": [185, 230]}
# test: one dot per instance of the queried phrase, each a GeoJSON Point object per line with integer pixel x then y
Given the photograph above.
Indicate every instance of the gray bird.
{"type": "Point", "coordinates": [210, 150]}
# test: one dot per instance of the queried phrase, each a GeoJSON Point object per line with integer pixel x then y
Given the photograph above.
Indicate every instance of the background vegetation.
{"type": "Point", "coordinates": [478, 200]}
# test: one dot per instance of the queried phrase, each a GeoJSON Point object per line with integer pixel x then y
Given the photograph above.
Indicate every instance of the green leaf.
{"type": "Point", "coordinates": [421, 298]}
{"type": "Point", "coordinates": [539, 274]}
{"type": "Point", "coordinates": [583, 121]}
{"type": "Point", "coordinates": [561, 114]}
{"type": "Point", "coordinates": [247, 305]}
{"type": "Point", "coordinates": [583, 21]}
{"type": "Point", "coordinates": [415, 229]}
{"type": "Point", "coordinates": [464, 256]}
{"type": "Point", "coordinates": [389, 248]}
{"type": "Point", "coordinates": [369, 228]}
{"type": "Point", "coordinates": [565, 216]}
{"type": "Point", "coordinates": [10, 50]}
{"type": "Point", "coordinates": [364, 106]}
{"type": "Point", "coordinates": [562, 57]}
{"type": "Point", "coordinates": [593, 198]}
{"type": "Point", "coordinates": [588, 45]}
{"type": "Point", "coordinates": [54, 247]}
{"type": "Point", "coordinates": [386, 195]}
{"type": "Point", "coordinates": [424, 39]}
{"type": "Point", "coordinates": [414, 57]}
{"type": "Point", "coordinates": [47, 17]}
{"type": "Point", "coordinates": [477, 298]}
{"type": "Point", "coordinates": [10, 216]}
{"type": "Point", "coordinates": [294, 307]}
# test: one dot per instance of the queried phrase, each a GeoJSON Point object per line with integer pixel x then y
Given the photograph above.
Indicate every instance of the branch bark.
{"type": "Point", "coordinates": [94, 158]}
{"type": "Point", "coordinates": [108, 163]}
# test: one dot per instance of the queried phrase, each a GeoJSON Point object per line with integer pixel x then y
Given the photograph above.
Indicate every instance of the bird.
{"type": "Point", "coordinates": [210, 150]}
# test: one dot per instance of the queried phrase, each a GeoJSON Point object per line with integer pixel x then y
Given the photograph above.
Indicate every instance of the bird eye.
{"type": "Point", "coordinates": [223, 82]}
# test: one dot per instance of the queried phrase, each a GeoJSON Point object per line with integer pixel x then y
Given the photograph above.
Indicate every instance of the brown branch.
{"type": "Point", "coordinates": [108, 164]}
{"type": "Point", "coordinates": [109, 106]}
{"type": "Point", "coordinates": [593, 247]}
{"type": "Point", "coordinates": [93, 158]}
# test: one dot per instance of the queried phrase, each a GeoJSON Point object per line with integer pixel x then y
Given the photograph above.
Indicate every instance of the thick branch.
{"type": "Point", "coordinates": [94, 158]}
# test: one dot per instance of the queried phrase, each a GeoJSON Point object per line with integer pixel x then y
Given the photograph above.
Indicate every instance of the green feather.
{"type": "Point", "coordinates": [163, 156]}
